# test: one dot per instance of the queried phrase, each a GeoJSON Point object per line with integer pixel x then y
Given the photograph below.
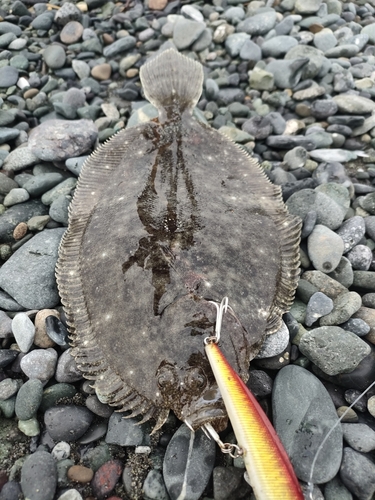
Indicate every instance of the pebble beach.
{"type": "Point", "coordinates": [292, 83]}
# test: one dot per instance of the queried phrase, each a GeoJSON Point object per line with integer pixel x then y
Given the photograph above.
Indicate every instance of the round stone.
{"type": "Point", "coordinates": [24, 331]}
{"type": "Point", "coordinates": [8, 76]}
{"type": "Point", "coordinates": [39, 364]}
{"type": "Point", "coordinates": [71, 32]}
{"type": "Point", "coordinates": [80, 474]}
{"type": "Point", "coordinates": [61, 450]}
{"type": "Point", "coordinates": [28, 399]}
{"type": "Point", "coordinates": [102, 71]}
{"type": "Point", "coordinates": [325, 248]}
{"type": "Point", "coordinates": [67, 423]}
{"type": "Point", "coordinates": [41, 337]}
{"type": "Point", "coordinates": [39, 476]}
{"type": "Point", "coordinates": [54, 56]}
{"type": "Point", "coordinates": [319, 305]}
{"type": "Point", "coordinates": [16, 195]}
{"type": "Point", "coordinates": [360, 257]}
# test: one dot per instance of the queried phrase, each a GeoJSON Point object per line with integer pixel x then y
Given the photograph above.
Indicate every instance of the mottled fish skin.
{"type": "Point", "coordinates": [168, 216]}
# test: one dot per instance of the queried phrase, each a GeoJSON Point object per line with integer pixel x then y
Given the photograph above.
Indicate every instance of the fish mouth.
{"type": "Point", "coordinates": [217, 417]}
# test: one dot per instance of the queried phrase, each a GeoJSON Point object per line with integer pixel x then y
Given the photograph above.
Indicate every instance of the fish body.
{"type": "Point", "coordinates": [168, 216]}
{"type": "Point", "coordinates": [271, 474]}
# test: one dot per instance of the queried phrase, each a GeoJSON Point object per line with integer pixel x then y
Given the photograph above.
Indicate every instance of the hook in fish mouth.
{"type": "Point", "coordinates": [217, 417]}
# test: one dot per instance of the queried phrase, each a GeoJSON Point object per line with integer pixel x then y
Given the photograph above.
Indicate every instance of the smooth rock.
{"type": "Point", "coordinates": [67, 370]}
{"type": "Point", "coordinates": [319, 305]}
{"type": "Point", "coordinates": [275, 343]}
{"type": "Point", "coordinates": [325, 248]}
{"type": "Point", "coordinates": [40, 364]}
{"type": "Point", "coordinates": [126, 432]}
{"type": "Point", "coordinates": [188, 464]}
{"type": "Point", "coordinates": [360, 257]}
{"type": "Point", "coordinates": [258, 24]}
{"type": "Point", "coordinates": [360, 437]}
{"type": "Point", "coordinates": [54, 56]}
{"type": "Point", "coordinates": [106, 478]}
{"type": "Point", "coordinates": [67, 423]}
{"type": "Point", "coordinates": [39, 476]}
{"type": "Point", "coordinates": [354, 104]}
{"type": "Point", "coordinates": [57, 140]}
{"type": "Point", "coordinates": [343, 273]}
{"type": "Point", "coordinates": [24, 332]}
{"type": "Point", "coordinates": [303, 413]}
{"type": "Point", "coordinates": [333, 349]}
{"type": "Point", "coordinates": [29, 275]}
{"type": "Point", "coordinates": [154, 487]}
{"type": "Point", "coordinates": [357, 472]}
{"type": "Point", "coordinates": [352, 231]}
{"type": "Point", "coordinates": [344, 306]}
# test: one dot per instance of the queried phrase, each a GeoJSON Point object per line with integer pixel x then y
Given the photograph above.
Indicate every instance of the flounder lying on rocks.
{"type": "Point", "coordinates": [168, 216]}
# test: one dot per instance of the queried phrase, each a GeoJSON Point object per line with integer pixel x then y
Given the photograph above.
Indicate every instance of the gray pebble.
{"type": "Point", "coordinates": [75, 164]}
{"type": "Point", "coordinates": [29, 275]}
{"type": "Point", "coordinates": [328, 211]}
{"type": "Point", "coordinates": [154, 487]}
{"type": "Point", "coordinates": [63, 189]}
{"type": "Point", "coordinates": [126, 432]}
{"type": "Point", "coordinates": [335, 490]}
{"type": "Point", "coordinates": [98, 408]}
{"type": "Point", "coordinates": [119, 46]}
{"type": "Point", "coordinates": [6, 184]}
{"type": "Point", "coordinates": [319, 305]}
{"type": "Point", "coordinates": [303, 412]}
{"type": "Point", "coordinates": [275, 343]}
{"type": "Point", "coordinates": [59, 209]}
{"type": "Point", "coordinates": [325, 248]}
{"type": "Point", "coordinates": [28, 399]}
{"type": "Point", "coordinates": [24, 332]}
{"type": "Point", "coordinates": [259, 24]}
{"type": "Point", "coordinates": [229, 482]}
{"type": "Point", "coordinates": [344, 306]}
{"type": "Point", "coordinates": [54, 56]}
{"type": "Point", "coordinates": [67, 370]}
{"type": "Point", "coordinates": [360, 437]}
{"type": "Point", "coordinates": [333, 349]}
{"type": "Point", "coordinates": [67, 423]}
{"type": "Point", "coordinates": [235, 42]}
{"type": "Point", "coordinates": [352, 231]}
{"type": "Point", "coordinates": [9, 387]}
{"type": "Point", "coordinates": [343, 273]}
{"type": "Point", "coordinates": [360, 257]}
{"type": "Point", "coordinates": [61, 451]}
{"type": "Point", "coordinates": [357, 326]}
{"type": "Point", "coordinates": [8, 76]}
{"type": "Point", "coordinates": [188, 463]}
{"type": "Point", "coordinates": [364, 279]}
{"type": "Point", "coordinates": [40, 364]}
{"type": "Point", "coordinates": [15, 196]}
{"type": "Point", "coordinates": [19, 159]}
{"type": "Point", "coordinates": [57, 140]}
{"type": "Point", "coordinates": [278, 46]}
{"type": "Point", "coordinates": [39, 476]}
{"type": "Point", "coordinates": [41, 183]}
{"type": "Point", "coordinates": [357, 472]}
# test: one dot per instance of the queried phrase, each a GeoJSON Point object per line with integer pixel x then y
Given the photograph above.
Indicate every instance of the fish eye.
{"type": "Point", "coordinates": [166, 379]}
{"type": "Point", "coordinates": [196, 378]}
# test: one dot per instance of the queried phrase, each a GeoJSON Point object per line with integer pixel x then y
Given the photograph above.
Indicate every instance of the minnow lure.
{"type": "Point", "coordinates": [270, 472]}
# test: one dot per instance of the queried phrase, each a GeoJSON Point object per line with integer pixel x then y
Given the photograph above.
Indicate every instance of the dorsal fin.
{"type": "Point", "coordinates": [173, 83]}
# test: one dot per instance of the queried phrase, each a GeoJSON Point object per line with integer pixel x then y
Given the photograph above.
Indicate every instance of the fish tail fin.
{"type": "Point", "coordinates": [173, 83]}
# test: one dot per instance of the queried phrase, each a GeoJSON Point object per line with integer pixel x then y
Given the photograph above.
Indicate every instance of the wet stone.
{"type": "Point", "coordinates": [344, 306]}
{"type": "Point", "coordinates": [57, 332]}
{"type": "Point", "coordinates": [7, 356]}
{"type": "Point", "coordinates": [154, 487]}
{"type": "Point", "coordinates": [352, 231]}
{"type": "Point", "coordinates": [343, 273]}
{"type": "Point", "coordinates": [302, 412]}
{"type": "Point", "coordinates": [333, 349]}
{"type": "Point", "coordinates": [67, 370]}
{"type": "Point", "coordinates": [39, 364]}
{"type": "Point", "coordinates": [188, 463]}
{"type": "Point", "coordinates": [319, 305]}
{"type": "Point", "coordinates": [260, 383]}
{"type": "Point", "coordinates": [39, 469]}
{"type": "Point", "coordinates": [357, 473]}
{"type": "Point", "coordinates": [56, 392]}
{"type": "Point", "coordinates": [61, 450]}
{"type": "Point", "coordinates": [360, 257]}
{"type": "Point", "coordinates": [67, 423]}
{"type": "Point", "coordinates": [353, 397]}
{"type": "Point", "coordinates": [275, 343]}
{"type": "Point", "coordinates": [29, 275]}
{"type": "Point", "coordinates": [28, 399]}
{"type": "Point", "coordinates": [126, 432]}
{"type": "Point", "coordinates": [9, 387]}
{"type": "Point", "coordinates": [325, 248]}
{"type": "Point", "coordinates": [228, 482]}
{"type": "Point", "coordinates": [357, 326]}
{"type": "Point", "coordinates": [106, 478]}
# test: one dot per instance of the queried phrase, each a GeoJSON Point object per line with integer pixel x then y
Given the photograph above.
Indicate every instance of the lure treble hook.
{"type": "Point", "coordinates": [220, 310]}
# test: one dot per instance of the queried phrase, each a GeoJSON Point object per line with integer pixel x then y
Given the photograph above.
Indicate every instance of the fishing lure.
{"type": "Point", "coordinates": [268, 466]}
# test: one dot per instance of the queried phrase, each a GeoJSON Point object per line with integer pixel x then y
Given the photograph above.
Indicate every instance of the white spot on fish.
{"type": "Point", "coordinates": [121, 198]}
{"type": "Point", "coordinates": [104, 254]}
{"type": "Point", "coordinates": [92, 192]}
{"type": "Point", "coordinates": [108, 316]}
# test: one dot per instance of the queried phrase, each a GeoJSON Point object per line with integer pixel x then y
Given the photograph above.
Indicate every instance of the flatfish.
{"type": "Point", "coordinates": [168, 216]}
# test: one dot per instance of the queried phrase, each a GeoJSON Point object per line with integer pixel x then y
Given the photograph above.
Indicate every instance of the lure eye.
{"type": "Point", "coordinates": [196, 379]}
